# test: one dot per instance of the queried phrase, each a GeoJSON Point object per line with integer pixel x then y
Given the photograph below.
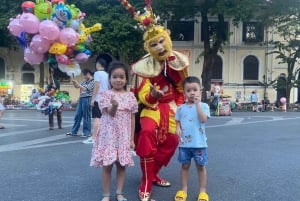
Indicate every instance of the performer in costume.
{"type": "Point", "coordinates": [158, 85]}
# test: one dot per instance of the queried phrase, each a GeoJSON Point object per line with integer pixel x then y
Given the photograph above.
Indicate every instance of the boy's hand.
{"type": "Point", "coordinates": [197, 99]}
{"type": "Point", "coordinates": [179, 133]}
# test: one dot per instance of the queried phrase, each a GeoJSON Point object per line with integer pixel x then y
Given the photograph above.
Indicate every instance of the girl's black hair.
{"type": "Point", "coordinates": [104, 60]}
{"type": "Point", "coordinates": [103, 63]}
{"type": "Point", "coordinates": [116, 65]}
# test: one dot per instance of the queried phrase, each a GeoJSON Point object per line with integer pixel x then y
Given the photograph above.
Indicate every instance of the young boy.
{"type": "Point", "coordinates": [190, 127]}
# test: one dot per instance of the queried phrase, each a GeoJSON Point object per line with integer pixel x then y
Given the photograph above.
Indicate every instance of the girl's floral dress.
{"type": "Point", "coordinates": [113, 140]}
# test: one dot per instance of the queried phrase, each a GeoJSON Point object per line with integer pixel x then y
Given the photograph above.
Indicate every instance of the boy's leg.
{"type": "Point", "coordinates": [120, 181]}
{"type": "Point", "coordinates": [184, 176]}
{"type": "Point", "coordinates": [202, 177]}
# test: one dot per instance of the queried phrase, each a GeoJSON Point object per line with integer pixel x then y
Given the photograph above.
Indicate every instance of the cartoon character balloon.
{"type": "Point", "coordinates": [43, 9]}
{"type": "Point", "coordinates": [28, 7]}
{"type": "Point", "coordinates": [61, 15]}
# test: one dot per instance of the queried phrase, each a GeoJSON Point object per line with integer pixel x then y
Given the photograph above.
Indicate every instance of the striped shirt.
{"type": "Point", "coordinates": [89, 85]}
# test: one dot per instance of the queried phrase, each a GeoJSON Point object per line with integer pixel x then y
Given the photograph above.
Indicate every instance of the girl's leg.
{"type": "Point", "coordinates": [106, 180]}
{"type": "Point", "coordinates": [184, 173]}
{"type": "Point", "coordinates": [96, 126]}
{"type": "Point", "coordinates": [202, 177]}
{"type": "Point", "coordinates": [120, 180]}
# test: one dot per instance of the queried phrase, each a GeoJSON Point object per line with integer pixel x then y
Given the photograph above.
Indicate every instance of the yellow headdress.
{"type": "Point", "coordinates": [147, 21]}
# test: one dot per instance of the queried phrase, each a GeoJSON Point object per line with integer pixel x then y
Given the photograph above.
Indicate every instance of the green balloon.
{"type": "Point", "coordinates": [43, 10]}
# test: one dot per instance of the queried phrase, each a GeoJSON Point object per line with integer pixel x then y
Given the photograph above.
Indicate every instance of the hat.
{"type": "Point", "coordinates": [147, 21]}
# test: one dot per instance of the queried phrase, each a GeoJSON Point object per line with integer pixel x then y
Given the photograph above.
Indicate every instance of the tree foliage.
{"type": "Point", "coordinates": [118, 36]}
{"type": "Point", "coordinates": [287, 50]}
{"type": "Point", "coordinates": [239, 10]}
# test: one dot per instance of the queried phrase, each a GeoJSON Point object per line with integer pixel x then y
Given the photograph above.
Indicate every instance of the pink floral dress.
{"type": "Point", "coordinates": [113, 140]}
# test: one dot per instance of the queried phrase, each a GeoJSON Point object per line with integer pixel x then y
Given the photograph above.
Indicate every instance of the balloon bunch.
{"type": "Point", "coordinates": [53, 31]}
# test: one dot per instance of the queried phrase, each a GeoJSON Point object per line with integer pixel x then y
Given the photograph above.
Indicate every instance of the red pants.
{"type": "Point", "coordinates": [148, 146]}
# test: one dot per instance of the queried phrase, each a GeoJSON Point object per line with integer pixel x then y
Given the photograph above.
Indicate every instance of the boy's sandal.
{"type": "Point", "coordinates": [120, 199]}
{"type": "Point", "coordinates": [106, 196]}
{"type": "Point", "coordinates": [203, 197]}
{"type": "Point", "coordinates": [180, 196]}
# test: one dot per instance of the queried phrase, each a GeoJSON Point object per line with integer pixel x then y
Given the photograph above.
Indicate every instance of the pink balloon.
{"type": "Point", "coordinates": [14, 27]}
{"type": "Point", "coordinates": [39, 44]}
{"type": "Point", "coordinates": [32, 57]}
{"type": "Point", "coordinates": [68, 36]}
{"type": "Point", "coordinates": [30, 23]}
{"type": "Point", "coordinates": [49, 30]}
{"type": "Point", "coordinates": [81, 57]}
{"type": "Point", "coordinates": [283, 100]}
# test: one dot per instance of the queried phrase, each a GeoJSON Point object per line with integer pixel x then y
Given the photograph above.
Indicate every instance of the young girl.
{"type": "Point", "coordinates": [115, 138]}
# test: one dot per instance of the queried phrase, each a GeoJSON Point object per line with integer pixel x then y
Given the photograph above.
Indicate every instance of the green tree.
{"type": "Point", "coordinates": [287, 50]}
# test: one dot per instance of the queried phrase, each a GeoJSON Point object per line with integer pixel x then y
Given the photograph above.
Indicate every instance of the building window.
{"type": "Point", "coordinates": [217, 69]}
{"type": "Point", "coordinates": [253, 32]}
{"type": "Point", "coordinates": [2, 68]}
{"type": "Point", "coordinates": [27, 74]}
{"type": "Point", "coordinates": [181, 30]}
{"type": "Point", "coordinates": [251, 66]}
{"type": "Point", "coordinates": [28, 78]}
{"type": "Point", "coordinates": [212, 29]}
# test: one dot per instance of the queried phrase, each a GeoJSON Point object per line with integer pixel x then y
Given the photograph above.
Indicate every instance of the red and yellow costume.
{"type": "Point", "coordinates": [157, 142]}
{"type": "Point", "coordinates": [158, 85]}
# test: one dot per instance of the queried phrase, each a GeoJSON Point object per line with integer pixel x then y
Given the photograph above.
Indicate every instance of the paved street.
{"type": "Point", "coordinates": [252, 157]}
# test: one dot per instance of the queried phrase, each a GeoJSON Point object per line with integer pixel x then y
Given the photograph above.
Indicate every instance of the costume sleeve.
{"type": "Point", "coordinates": [144, 94]}
{"type": "Point", "coordinates": [104, 100]}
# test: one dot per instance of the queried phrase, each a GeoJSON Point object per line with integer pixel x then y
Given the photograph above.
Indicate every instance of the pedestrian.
{"type": "Point", "coordinates": [54, 107]}
{"type": "Point", "coordinates": [115, 139]}
{"type": "Point", "coordinates": [2, 108]}
{"type": "Point", "coordinates": [190, 127]}
{"type": "Point", "coordinates": [101, 84]}
{"type": "Point", "coordinates": [254, 101]}
{"type": "Point", "coordinates": [83, 109]}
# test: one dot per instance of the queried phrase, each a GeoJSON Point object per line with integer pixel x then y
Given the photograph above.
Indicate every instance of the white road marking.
{"type": "Point", "coordinates": [234, 120]}
{"type": "Point", "coordinates": [34, 143]}
{"type": "Point", "coordinates": [253, 122]}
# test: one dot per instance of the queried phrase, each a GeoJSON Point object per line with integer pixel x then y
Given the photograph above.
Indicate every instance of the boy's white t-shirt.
{"type": "Point", "coordinates": [102, 78]}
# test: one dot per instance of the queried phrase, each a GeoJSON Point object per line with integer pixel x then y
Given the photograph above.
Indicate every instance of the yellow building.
{"type": "Point", "coordinates": [243, 65]}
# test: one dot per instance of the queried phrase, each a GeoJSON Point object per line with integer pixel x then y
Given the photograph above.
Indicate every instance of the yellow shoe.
{"type": "Point", "coordinates": [203, 197]}
{"type": "Point", "coordinates": [180, 196]}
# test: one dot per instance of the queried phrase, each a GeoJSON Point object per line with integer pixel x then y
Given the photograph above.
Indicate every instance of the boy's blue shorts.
{"type": "Point", "coordinates": [186, 154]}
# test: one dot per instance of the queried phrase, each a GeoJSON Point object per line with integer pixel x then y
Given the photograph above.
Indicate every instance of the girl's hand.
{"type": "Point", "coordinates": [132, 144]}
{"type": "Point", "coordinates": [113, 102]}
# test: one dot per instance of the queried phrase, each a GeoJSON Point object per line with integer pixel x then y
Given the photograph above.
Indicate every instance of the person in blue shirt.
{"type": "Point", "coordinates": [190, 127]}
